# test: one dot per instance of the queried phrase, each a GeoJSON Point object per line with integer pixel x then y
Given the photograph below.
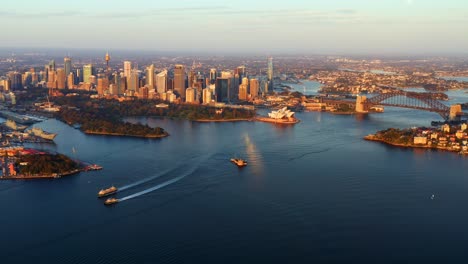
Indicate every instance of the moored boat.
{"type": "Point", "coordinates": [107, 192]}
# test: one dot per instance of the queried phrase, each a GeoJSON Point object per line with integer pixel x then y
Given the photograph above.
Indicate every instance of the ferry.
{"type": "Point", "coordinates": [111, 201]}
{"type": "Point", "coordinates": [239, 162]}
{"type": "Point", "coordinates": [107, 192]}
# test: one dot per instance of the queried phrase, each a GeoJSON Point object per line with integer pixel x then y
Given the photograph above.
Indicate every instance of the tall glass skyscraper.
{"type": "Point", "coordinates": [88, 70]}
{"type": "Point", "coordinates": [270, 74]}
{"type": "Point", "coordinates": [68, 65]}
{"type": "Point", "coordinates": [179, 79]}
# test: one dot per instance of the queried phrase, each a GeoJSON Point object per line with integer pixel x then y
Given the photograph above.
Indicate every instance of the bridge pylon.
{"type": "Point", "coordinates": [361, 106]}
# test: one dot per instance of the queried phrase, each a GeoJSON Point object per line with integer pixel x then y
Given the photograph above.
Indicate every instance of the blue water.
{"type": "Point", "coordinates": [312, 193]}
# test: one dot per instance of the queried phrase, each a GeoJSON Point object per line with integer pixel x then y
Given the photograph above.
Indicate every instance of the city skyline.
{"type": "Point", "coordinates": [360, 26]}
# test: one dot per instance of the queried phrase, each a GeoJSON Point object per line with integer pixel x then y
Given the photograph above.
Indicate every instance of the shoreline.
{"type": "Point", "coordinates": [36, 177]}
{"type": "Point", "coordinates": [373, 138]}
{"type": "Point", "coordinates": [124, 135]}
{"type": "Point", "coordinates": [223, 120]}
{"type": "Point", "coordinates": [276, 121]}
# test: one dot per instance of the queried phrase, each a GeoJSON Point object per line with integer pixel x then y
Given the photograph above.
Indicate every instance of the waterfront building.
{"type": "Point", "coordinates": [243, 89]}
{"type": "Point", "coordinates": [222, 89]}
{"type": "Point", "coordinates": [254, 87]}
{"type": "Point", "coordinates": [190, 95]}
{"type": "Point", "coordinates": [88, 71]}
{"type": "Point", "coordinates": [179, 80]}
{"type": "Point", "coordinates": [127, 69]}
{"type": "Point", "coordinates": [60, 77]}
{"type": "Point", "coordinates": [207, 95]}
{"type": "Point", "coordinates": [67, 65]}
{"type": "Point", "coordinates": [161, 82]}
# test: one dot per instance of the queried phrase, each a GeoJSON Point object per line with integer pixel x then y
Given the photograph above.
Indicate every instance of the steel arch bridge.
{"type": "Point", "coordinates": [413, 100]}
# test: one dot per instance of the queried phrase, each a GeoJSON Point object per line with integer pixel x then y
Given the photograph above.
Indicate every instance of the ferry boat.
{"type": "Point", "coordinates": [38, 132]}
{"type": "Point", "coordinates": [107, 192]}
{"type": "Point", "coordinates": [111, 201]}
{"type": "Point", "coordinates": [239, 162]}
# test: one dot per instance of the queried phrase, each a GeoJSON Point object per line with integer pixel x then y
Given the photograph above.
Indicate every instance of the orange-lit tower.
{"type": "Point", "coordinates": [107, 61]}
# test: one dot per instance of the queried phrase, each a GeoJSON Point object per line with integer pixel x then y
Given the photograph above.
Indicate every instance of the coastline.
{"type": "Point", "coordinates": [124, 135]}
{"type": "Point", "coordinates": [276, 121]}
{"type": "Point", "coordinates": [48, 176]}
{"type": "Point", "coordinates": [375, 139]}
{"type": "Point", "coordinates": [223, 120]}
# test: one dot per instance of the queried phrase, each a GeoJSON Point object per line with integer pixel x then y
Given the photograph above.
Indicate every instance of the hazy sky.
{"type": "Point", "coordinates": [315, 26]}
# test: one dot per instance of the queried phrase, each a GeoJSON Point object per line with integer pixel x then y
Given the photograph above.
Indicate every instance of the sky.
{"type": "Point", "coordinates": [263, 26]}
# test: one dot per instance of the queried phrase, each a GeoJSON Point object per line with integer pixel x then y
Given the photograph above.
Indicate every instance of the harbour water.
{"type": "Point", "coordinates": [315, 192]}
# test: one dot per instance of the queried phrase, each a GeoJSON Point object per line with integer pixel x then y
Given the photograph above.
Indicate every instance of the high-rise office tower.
{"type": "Point", "coordinates": [127, 69]}
{"type": "Point", "coordinates": [150, 77]}
{"type": "Point", "coordinates": [71, 81]}
{"type": "Point", "coordinates": [270, 75]}
{"type": "Point", "coordinates": [79, 76]}
{"type": "Point", "coordinates": [213, 76]}
{"type": "Point", "coordinates": [222, 89]}
{"type": "Point", "coordinates": [243, 89]}
{"type": "Point", "coordinates": [179, 80]}
{"type": "Point", "coordinates": [67, 65]}
{"type": "Point", "coordinates": [190, 95]}
{"type": "Point", "coordinates": [118, 85]}
{"type": "Point", "coordinates": [133, 81]}
{"type": "Point", "coordinates": [88, 71]}
{"type": "Point", "coordinates": [254, 86]}
{"type": "Point", "coordinates": [207, 94]}
{"type": "Point", "coordinates": [52, 65]}
{"type": "Point", "coordinates": [61, 78]}
{"type": "Point", "coordinates": [161, 82]}
{"type": "Point", "coordinates": [102, 84]}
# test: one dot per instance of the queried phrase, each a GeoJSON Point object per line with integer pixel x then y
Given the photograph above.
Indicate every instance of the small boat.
{"type": "Point", "coordinates": [239, 162]}
{"type": "Point", "coordinates": [111, 201]}
{"type": "Point", "coordinates": [106, 192]}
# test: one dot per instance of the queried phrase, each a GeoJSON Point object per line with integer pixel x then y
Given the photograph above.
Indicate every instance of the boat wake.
{"type": "Point", "coordinates": [157, 187]}
{"type": "Point", "coordinates": [126, 187]}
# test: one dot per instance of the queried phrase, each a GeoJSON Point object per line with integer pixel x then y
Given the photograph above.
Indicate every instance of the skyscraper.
{"type": "Point", "coordinates": [127, 69]}
{"type": "Point", "coordinates": [68, 65]}
{"type": "Point", "coordinates": [161, 82]}
{"type": "Point", "coordinates": [207, 94]}
{"type": "Point", "coordinates": [213, 76]}
{"type": "Point", "coordinates": [222, 89]}
{"type": "Point", "coordinates": [190, 95]}
{"type": "Point", "coordinates": [254, 86]}
{"type": "Point", "coordinates": [243, 89]}
{"type": "Point", "coordinates": [88, 71]}
{"type": "Point", "coordinates": [71, 81]}
{"type": "Point", "coordinates": [150, 76]}
{"type": "Point", "coordinates": [133, 81]}
{"type": "Point", "coordinates": [270, 75]}
{"type": "Point", "coordinates": [179, 80]}
{"type": "Point", "coordinates": [60, 77]}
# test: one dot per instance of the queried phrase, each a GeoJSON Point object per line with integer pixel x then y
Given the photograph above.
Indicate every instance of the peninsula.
{"type": "Point", "coordinates": [445, 137]}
